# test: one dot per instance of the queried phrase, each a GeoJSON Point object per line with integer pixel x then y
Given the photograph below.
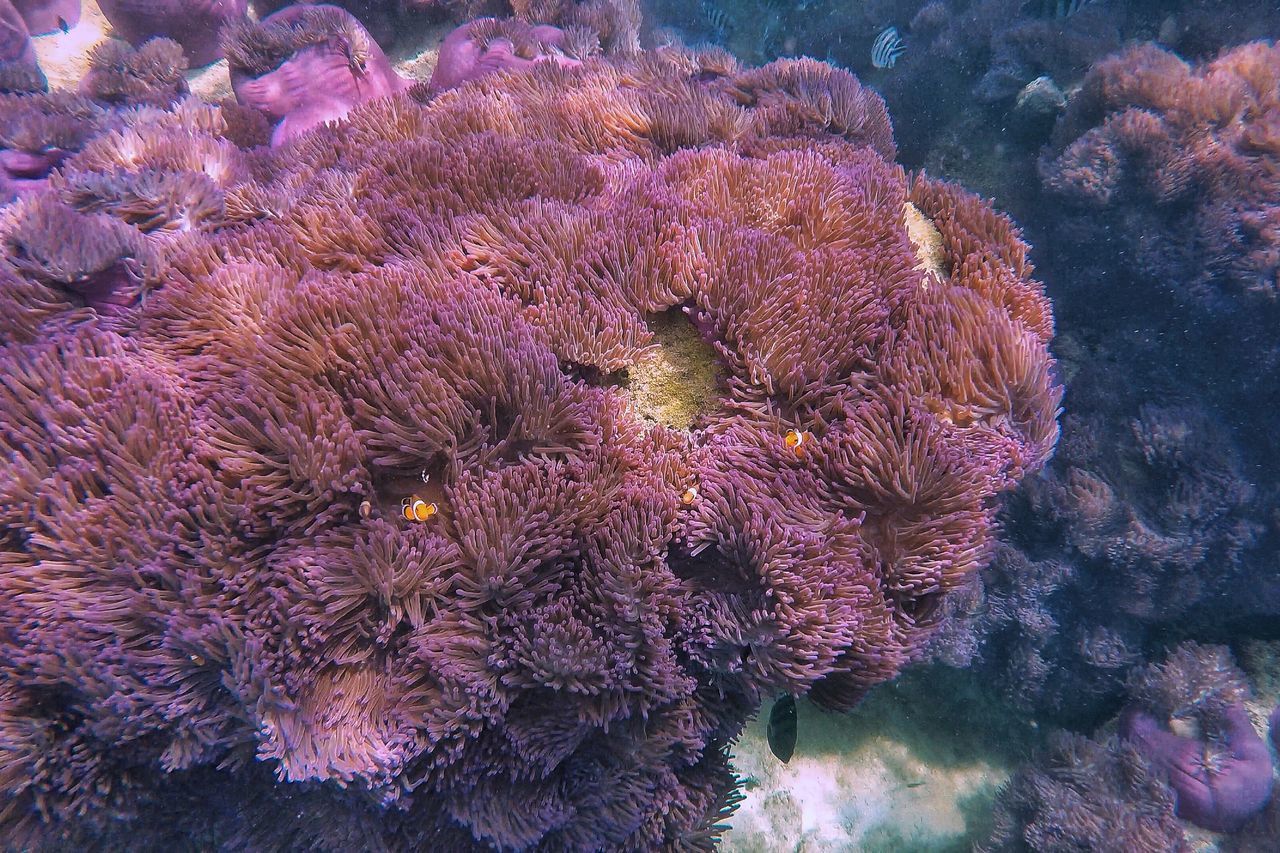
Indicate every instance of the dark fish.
{"type": "Point", "coordinates": [63, 25]}
{"type": "Point", "coordinates": [782, 728]}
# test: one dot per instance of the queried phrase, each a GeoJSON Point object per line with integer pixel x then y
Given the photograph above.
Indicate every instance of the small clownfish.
{"type": "Point", "coordinates": [690, 495]}
{"type": "Point", "coordinates": [416, 509]}
{"type": "Point", "coordinates": [796, 440]}
{"type": "Point", "coordinates": [366, 509]}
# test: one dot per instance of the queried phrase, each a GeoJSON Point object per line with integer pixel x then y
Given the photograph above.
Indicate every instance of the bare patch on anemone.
{"type": "Point", "coordinates": [678, 379]}
{"type": "Point", "coordinates": [927, 240]}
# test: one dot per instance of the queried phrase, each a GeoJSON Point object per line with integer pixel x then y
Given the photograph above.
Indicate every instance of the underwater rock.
{"type": "Point", "coordinates": [15, 40]}
{"type": "Point", "coordinates": [194, 24]}
{"type": "Point", "coordinates": [49, 16]}
{"type": "Point", "coordinates": [1040, 98]}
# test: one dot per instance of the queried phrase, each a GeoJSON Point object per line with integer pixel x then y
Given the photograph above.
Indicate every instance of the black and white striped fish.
{"type": "Point", "coordinates": [717, 17]}
{"type": "Point", "coordinates": [1054, 8]}
{"type": "Point", "coordinates": [887, 48]}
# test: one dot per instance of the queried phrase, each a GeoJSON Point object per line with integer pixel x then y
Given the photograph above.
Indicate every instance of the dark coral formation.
{"type": "Point", "coordinates": [1187, 748]}
{"type": "Point", "coordinates": [1086, 794]}
{"type": "Point", "coordinates": [351, 492]}
{"type": "Point", "coordinates": [1144, 528]}
{"type": "Point", "coordinates": [1180, 163]}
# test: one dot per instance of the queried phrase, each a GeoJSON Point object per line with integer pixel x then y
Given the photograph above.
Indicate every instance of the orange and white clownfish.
{"type": "Point", "coordinates": [796, 441]}
{"type": "Point", "coordinates": [689, 496]}
{"type": "Point", "coordinates": [414, 508]}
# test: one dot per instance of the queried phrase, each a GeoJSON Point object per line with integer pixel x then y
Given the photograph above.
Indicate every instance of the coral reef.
{"type": "Point", "coordinates": [343, 486]}
{"type": "Point", "coordinates": [953, 93]}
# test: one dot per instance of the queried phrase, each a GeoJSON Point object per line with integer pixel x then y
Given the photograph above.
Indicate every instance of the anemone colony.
{"type": "Point", "coordinates": [228, 368]}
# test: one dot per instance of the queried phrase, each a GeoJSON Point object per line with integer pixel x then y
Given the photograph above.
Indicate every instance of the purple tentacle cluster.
{"type": "Point", "coordinates": [346, 503]}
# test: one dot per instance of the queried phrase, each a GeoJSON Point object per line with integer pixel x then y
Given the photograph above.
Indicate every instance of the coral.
{"type": "Point", "coordinates": [194, 24]}
{"type": "Point", "coordinates": [209, 574]}
{"type": "Point", "coordinates": [1144, 527]}
{"type": "Point", "coordinates": [307, 65]}
{"type": "Point", "coordinates": [1084, 794]}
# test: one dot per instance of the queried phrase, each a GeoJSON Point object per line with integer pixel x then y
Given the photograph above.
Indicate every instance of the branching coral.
{"type": "Point", "coordinates": [358, 492]}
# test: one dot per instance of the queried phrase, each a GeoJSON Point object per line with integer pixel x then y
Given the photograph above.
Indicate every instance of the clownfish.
{"type": "Point", "coordinates": [689, 496]}
{"type": "Point", "coordinates": [795, 441]}
{"type": "Point", "coordinates": [366, 509]}
{"type": "Point", "coordinates": [416, 509]}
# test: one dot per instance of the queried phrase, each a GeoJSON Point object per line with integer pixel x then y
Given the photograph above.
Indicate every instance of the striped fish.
{"type": "Point", "coordinates": [1054, 8]}
{"type": "Point", "coordinates": [717, 17]}
{"type": "Point", "coordinates": [887, 48]}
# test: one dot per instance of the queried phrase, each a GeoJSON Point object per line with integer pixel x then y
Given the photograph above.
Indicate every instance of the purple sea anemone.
{"type": "Point", "coordinates": [377, 509]}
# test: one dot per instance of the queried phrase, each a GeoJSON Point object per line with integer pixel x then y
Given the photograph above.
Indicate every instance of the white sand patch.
{"type": "Point", "coordinates": [847, 792]}
{"type": "Point", "coordinates": [64, 57]}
